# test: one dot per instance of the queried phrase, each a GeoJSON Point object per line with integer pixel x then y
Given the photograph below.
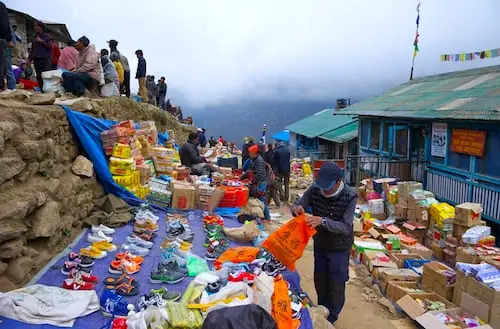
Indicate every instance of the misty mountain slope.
{"type": "Point", "coordinates": [235, 121]}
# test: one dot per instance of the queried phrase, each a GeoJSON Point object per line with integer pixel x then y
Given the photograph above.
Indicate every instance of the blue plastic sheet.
{"type": "Point", "coordinates": [88, 130]}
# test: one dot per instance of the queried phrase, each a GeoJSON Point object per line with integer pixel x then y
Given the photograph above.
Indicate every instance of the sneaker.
{"type": "Point", "coordinates": [166, 276]}
{"type": "Point", "coordinates": [271, 269]}
{"type": "Point", "coordinates": [119, 323]}
{"type": "Point", "coordinates": [146, 225]}
{"type": "Point", "coordinates": [83, 261]}
{"type": "Point", "coordinates": [172, 264]}
{"type": "Point", "coordinates": [134, 239]}
{"type": "Point", "coordinates": [241, 276]}
{"type": "Point", "coordinates": [130, 257]}
{"type": "Point", "coordinates": [147, 214]}
{"type": "Point", "coordinates": [84, 276]}
{"type": "Point", "coordinates": [123, 266]}
{"type": "Point", "coordinates": [151, 300]}
{"type": "Point", "coordinates": [102, 228]}
{"type": "Point", "coordinates": [145, 236]}
{"type": "Point", "coordinates": [135, 249]}
{"type": "Point", "coordinates": [68, 267]}
{"type": "Point", "coordinates": [171, 296]}
{"type": "Point", "coordinates": [98, 236]}
{"type": "Point", "coordinates": [104, 245]}
{"type": "Point", "coordinates": [77, 284]}
{"type": "Point", "coordinates": [93, 252]}
{"type": "Point", "coordinates": [214, 287]}
{"type": "Point", "coordinates": [113, 304]}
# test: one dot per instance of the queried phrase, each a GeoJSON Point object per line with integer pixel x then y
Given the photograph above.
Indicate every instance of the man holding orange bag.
{"type": "Point", "coordinates": [331, 205]}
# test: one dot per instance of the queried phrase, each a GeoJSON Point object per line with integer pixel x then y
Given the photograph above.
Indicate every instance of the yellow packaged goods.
{"type": "Point", "coordinates": [306, 168]}
{"type": "Point", "coordinates": [122, 163]}
{"type": "Point", "coordinates": [122, 151]}
{"type": "Point", "coordinates": [123, 180]}
{"type": "Point", "coordinates": [162, 152]}
{"type": "Point", "coordinates": [440, 212]}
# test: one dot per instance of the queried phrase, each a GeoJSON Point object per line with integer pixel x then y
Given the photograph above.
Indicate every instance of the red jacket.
{"type": "Point", "coordinates": [56, 53]}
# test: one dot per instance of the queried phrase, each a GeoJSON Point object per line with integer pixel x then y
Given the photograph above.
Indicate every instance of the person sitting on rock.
{"type": "Point", "coordinates": [88, 69]}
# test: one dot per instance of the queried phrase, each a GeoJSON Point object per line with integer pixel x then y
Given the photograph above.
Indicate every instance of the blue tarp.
{"type": "Point", "coordinates": [283, 135]}
{"type": "Point", "coordinates": [88, 130]}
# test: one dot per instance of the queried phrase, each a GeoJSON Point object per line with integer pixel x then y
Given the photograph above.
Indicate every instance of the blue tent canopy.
{"type": "Point", "coordinates": [283, 135]}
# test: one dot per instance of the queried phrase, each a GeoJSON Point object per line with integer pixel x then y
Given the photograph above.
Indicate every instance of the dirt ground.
{"type": "Point", "coordinates": [358, 312]}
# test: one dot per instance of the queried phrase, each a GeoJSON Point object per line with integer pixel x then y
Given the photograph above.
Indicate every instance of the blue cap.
{"type": "Point", "coordinates": [328, 176]}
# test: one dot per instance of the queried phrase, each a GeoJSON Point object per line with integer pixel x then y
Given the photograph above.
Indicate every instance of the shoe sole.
{"type": "Point", "coordinates": [163, 281]}
{"type": "Point", "coordinates": [63, 272]}
{"type": "Point", "coordinates": [210, 259]}
{"type": "Point", "coordinates": [95, 230]}
{"type": "Point", "coordinates": [86, 265]}
{"type": "Point", "coordinates": [109, 315]}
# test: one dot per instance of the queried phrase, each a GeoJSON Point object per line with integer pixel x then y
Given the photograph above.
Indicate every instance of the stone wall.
{"type": "Point", "coordinates": [42, 202]}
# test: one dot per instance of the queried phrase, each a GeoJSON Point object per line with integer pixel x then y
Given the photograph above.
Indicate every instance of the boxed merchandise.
{"type": "Point", "coordinates": [440, 212]}
{"type": "Point", "coordinates": [437, 250]}
{"type": "Point", "coordinates": [401, 211]}
{"type": "Point", "coordinates": [419, 249]}
{"type": "Point", "coordinates": [467, 255]}
{"type": "Point", "coordinates": [398, 289]}
{"type": "Point", "coordinates": [125, 180]}
{"type": "Point", "coordinates": [399, 258]}
{"type": "Point", "coordinates": [122, 151]}
{"type": "Point", "coordinates": [456, 318]}
{"type": "Point", "coordinates": [489, 297]}
{"type": "Point", "coordinates": [379, 262]}
{"type": "Point", "coordinates": [376, 206]}
{"type": "Point", "coordinates": [439, 278]}
{"type": "Point", "coordinates": [163, 152]}
{"type": "Point", "coordinates": [361, 245]}
{"type": "Point", "coordinates": [415, 305]}
{"type": "Point", "coordinates": [468, 214]}
{"type": "Point", "coordinates": [473, 235]}
{"type": "Point", "coordinates": [402, 274]}
{"type": "Point", "coordinates": [422, 214]}
{"type": "Point", "coordinates": [411, 215]}
{"type": "Point", "coordinates": [183, 196]}
{"type": "Point", "coordinates": [405, 188]}
{"type": "Point", "coordinates": [414, 230]}
{"type": "Point", "coordinates": [417, 196]}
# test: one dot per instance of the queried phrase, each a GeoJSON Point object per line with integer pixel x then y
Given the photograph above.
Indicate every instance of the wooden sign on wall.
{"type": "Point", "coordinates": [468, 141]}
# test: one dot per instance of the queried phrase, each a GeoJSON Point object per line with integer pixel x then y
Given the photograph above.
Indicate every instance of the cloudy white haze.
{"type": "Point", "coordinates": [219, 50]}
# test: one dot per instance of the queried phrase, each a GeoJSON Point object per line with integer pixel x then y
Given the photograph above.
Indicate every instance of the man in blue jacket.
{"type": "Point", "coordinates": [282, 167]}
{"type": "Point", "coordinates": [141, 75]}
{"type": "Point", "coordinates": [332, 205]}
{"type": "Point", "coordinates": [6, 41]}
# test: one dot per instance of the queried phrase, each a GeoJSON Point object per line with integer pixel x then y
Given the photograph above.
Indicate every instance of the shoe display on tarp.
{"type": "Point", "coordinates": [85, 276]}
{"type": "Point", "coordinates": [102, 228]}
{"type": "Point", "coordinates": [166, 294]}
{"type": "Point", "coordinates": [93, 252]}
{"type": "Point", "coordinates": [83, 261]}
{"type": "Point", "coordinates": [77, 284]}
{"type": "Point", "coordinates": [135, 249]}
{"type": "Point", "coordinates": [104, 246]}
{"type": "Point", "coordinates": [166, 276]}
{"type": "Point", "coordinates": [135, 239]}
{"type": "Point", "coordinates": [98, 236]}
{"type": "Point", "coordinates": [113, 304]}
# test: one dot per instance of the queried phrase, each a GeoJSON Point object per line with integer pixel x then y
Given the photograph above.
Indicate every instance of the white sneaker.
{"type": "Point", "coordinates": [99, 236]}
{"type": "Point", "coordinates": [145, 215]}
{"type": "Point", "coordinates": [103, 228]}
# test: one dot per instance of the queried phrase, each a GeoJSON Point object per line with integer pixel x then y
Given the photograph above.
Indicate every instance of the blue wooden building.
{"type": "Point", "coordinates": [443, 130]}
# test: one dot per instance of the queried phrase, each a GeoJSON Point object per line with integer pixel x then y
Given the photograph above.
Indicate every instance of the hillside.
{"type": "Point", "coordinates": [237, 120]}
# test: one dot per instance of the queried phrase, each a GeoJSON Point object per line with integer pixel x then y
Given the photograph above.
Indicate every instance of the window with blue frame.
{"type": "Point", "coordinates": [489, 164]}
{"type": "Point", "coordinates": [385, 142]}
{"type": "Point", "coordinates": [364, 133]}
{"type": "Point", "coordinates": [458, 160]}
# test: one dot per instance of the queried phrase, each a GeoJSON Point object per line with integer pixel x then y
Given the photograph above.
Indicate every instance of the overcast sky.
{"type": "Point", "coordinates": [218, 50]}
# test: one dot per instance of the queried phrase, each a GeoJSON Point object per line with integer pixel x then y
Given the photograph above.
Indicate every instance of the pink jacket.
{"type": "Point", "coordinates": [88, 61]}
{"type": "Point", "coordinates": [68, 58]}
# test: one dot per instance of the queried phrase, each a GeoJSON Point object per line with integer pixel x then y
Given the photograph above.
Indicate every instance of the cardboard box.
{"type": "Point", "coordinates": [401, 211]}
{"type": "Point", "coordinates": [374, 233]}
{"type": "Point", "coordinates": [376, 206]}
{"type": "Point", "coordinates": [460, 286]}
{"type": "Point", "coordinates": [468, 214]}
{"type": "Point", "coordinates": [399, 258]}
{"type": "Point", "coordinates": [430, 320]}
{"type": "Point", "coordinates": [405, 188]}
{"type": "Point", "coordinates": [357, 226]}
{"type": "Point", "coordinates": [411, 214]}
{"type": "Point", "coordinates": [492, 260]}
{"type": "Point", "coordinates": [183, 196]}
{"type": "Point", "coordinates": [488, 296]}
{"type": "Point", "coordinates": [459, 230]}
{"type": "Point", "coordinates": [434, 279]}
{"type": "Point", "coordinates": [413, 309]}
{"type": "Point", "coordinates": [422, 215]}
{"type": "Point", "coordinates": [415, 230]}
{"type": "Point", "coordinates": [467, 255]}
{"type": "Point", "coordinates": [215, 199]}
{"type": "Point", "coordinates": [398, 289]}
{"type": "Point", "coordinates": [387, 275]}
{"type": "Point", "coordinates": [419, 249]}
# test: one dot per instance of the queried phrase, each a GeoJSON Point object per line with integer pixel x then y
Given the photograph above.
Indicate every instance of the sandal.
{"type": "Point", "coordinates": [124, 278]}
{"type": "Point", "coordinates": [125, 289]}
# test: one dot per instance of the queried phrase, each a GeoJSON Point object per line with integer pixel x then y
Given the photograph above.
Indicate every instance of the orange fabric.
{"type": "Point", "coordinates": [281, 304]}
{"type": "Point", "coordinates": [254, 149]}
{"type": "Point", "coordinates": [287, 243]}
{"type": "Point", "coordinates": [237, 255]}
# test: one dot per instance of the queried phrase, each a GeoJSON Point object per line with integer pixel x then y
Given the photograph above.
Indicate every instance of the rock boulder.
{"type": "Point", "coordinates": [82, 167]}
{"type": "Point", "coordinates": [11, 229]}
{"type": "Point", "coordinates": [19, 268]}
{"type": "Point", "coordinates": [11, 248]}
{"type": "Point", "coordinates": [45, 221]}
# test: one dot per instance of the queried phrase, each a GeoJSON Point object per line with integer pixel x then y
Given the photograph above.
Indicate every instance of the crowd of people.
{"type": "Point", "coordinates": [85, 71]}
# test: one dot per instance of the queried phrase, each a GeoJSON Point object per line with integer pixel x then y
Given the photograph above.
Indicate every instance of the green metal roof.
{"type": "Point", "coordinates": [471, 94]}
{"type": "Point", "coordinates": [319, 123]}
{"type": "Point", "coordinates": [342, 134]}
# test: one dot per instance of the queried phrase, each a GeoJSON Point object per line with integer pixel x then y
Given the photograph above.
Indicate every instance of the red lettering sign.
{"type": "Point", "coordinates": [468, 141]}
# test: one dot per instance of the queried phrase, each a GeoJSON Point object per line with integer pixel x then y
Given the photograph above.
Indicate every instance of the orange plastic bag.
{"type": "Point", "coordinates": [282, 308]}
{"type": "Point", "coordinates": [287, 243]}
{"type": "Point", "coordinates": [237, 255]}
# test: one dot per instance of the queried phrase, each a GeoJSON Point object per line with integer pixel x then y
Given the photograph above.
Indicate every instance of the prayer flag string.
{"type": "Point", "coordinates": [464, 57]}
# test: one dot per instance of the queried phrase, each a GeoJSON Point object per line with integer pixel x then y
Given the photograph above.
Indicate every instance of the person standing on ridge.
{"type": "Point", "coordinates": [6, 41]}
{"type": "Point", "coordinates": [162, 92]}
{"type": "Point", "coordinates": [140, 75]}
{"type": "Point", "coordinates": [202, 139]}
{"type": "Point", "coordinates": [125, 86]}
{"type": "Point", "coordinates": [331, 205]}
{"type": "Point", "coordinates": [282, 168]}
{"type": "Point", "coordinates": [41, 52]}
{"type": "Point", "coordinates": [272, 191]}
{"type": "Point", "coordinates": [151, 87]}
{"type": "Point", "coordinates": [115, 58]}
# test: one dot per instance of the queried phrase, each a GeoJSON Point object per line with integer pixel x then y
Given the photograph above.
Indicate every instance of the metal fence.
{"type": "Point", "coordinates": [314, 155]}
{"type": "Point", "coordinates": [359, 167]}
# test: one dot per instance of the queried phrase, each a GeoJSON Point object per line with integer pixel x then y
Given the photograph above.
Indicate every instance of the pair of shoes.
{"type": "Point", "coordinates": [104, 246]}
{"type": "Point", "coordinates": [145, 224]}
{"type": "Point", "coordinates": [130, 257]}
{"type": "Point", "coordinates": [93, 252]}
{"type": "Point", "coordinates": [137, 246]}
{"type": "Point", "coordinates": [175, 263]}
{"type": "Point", "coordinates": [84, 276]}
{"type": "Point", "coordinates": [145, 235]}
{"type": "Point", "coordinates": [103, 228]}
{"type": "Point", "coordinates": [273, 267]}
{"type": "Point", "coordinates": [113, 281]}
{"type": "Point", "coordinates": [166, 294]}
{"type": "Point", "coordinates": [79, 280]}
{"type": "Point", "coordinates": [112, 304]}
{"type": "Point", "coordinates": [241, 276]}
{"type": "Point", "coordinates": [215, 249]}
{"type": "Point", "coordinates": [123, 266]}
{"type": "Point", "coordinates": [167, 273]}
{"type": "Point", "coordinates": [211, 220]}
{"type": "Point", "coordinates": [98, 236]}
{"type": "Point", "coordinates": [138, 241]}
{"type": "Point", "coordinates": [68, 266]}
{"type": "Point", "coordinates": [146, 214]}
{"type": "Point", "coordinates": [185, 245]}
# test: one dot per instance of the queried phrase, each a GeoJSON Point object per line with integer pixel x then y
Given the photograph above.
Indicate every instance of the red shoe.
{"type": "Point", "coordinates": [75, 284]}
{"type": "Point", "coordinates": [86, 277]}
{"type": "Point", "coordinates": [242, 277]}
{"type": "Point", "coordinates": [120, 323]}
